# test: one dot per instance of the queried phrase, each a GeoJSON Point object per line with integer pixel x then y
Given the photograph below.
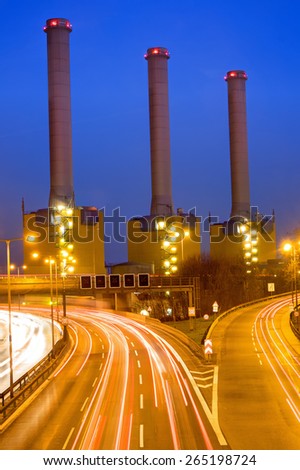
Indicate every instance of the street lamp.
{"type": "Point", "coordinates": [51, 261]}
{"type": "Point", "coordinates": [291, 248]}
{"type": "Point", "coordinates": [11, 378]}
{"type": "Point", "coordinates": [13, 266]}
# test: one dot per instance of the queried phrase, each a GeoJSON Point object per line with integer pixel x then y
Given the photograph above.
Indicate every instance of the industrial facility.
{"type": "Point", "coordinates": [72, 236]}
{"type": "Point", "coordinates": [164, 238]}
{"type": "Point", "coordinates": [65, 233]}
{"type": "Point", "coordinates": [247, 233]}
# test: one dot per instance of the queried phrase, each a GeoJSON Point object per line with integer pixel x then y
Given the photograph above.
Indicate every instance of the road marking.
{"type": "Point", "coordinates": [141, 435]}
{"type": "Point", "coordinates": [136, 353]}
{"type": "Point", "coordinates": [141, 379]}
{"type": "Point", "coordinates": [102, 346]}
{"type": "Point", "coordinates": [141, 401]}
{"type": "Point", "coordinates": [204, 386]}
{"type": "Point", "coordinates": [139, 364]}
{"type": "Point", "coordinates": [85, 402]}
{"type": "Point", "coordinates": [132, 344]}
{"type": "Point", "coordinates": [102, 355]}
{"type": "Point", "coordinates": [94, 383]}
{"type": "Point", "coordinates": [201, 373]}
{"type": "Point", "coordinates": [101, 366]}
{"type": "Point", "coordinates": [214, 406]}
{"type": "Point", "coordinates": [68, 438]}
{"type": "Point", "coordinates": [204, 378]}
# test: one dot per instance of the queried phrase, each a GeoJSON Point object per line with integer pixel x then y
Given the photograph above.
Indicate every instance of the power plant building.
{"type": "Point", "coordinates": [164, 238]}
{"type": "Point", "coordinates": [247, 233]}
{"type": "Point", "coordinates": [70, 235]}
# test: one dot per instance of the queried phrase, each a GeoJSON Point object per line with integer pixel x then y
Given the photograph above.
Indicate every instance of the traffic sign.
{"type": "Point", "coordinates": [100, 281]}
{"type": "Point", "coordinates": [85, 282]}
{"type": "Point", "coordinates": [115, 280]}
{"type": "Point", "coordinates": [215, 307]}
{"type": "Point", "coordinates": [271, 287]}
{"type": "Point", "coordinates": [208, 346]}
{"type": "Point", "coordinates": [143, 280]}
{"type": "Point", "coordinates": [192, 312]}
{"type": "Point", "coordinates": [128, 280]}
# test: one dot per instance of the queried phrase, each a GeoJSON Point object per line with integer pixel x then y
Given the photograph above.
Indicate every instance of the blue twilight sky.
{"type": "Point", "coordinates": [109, 93]}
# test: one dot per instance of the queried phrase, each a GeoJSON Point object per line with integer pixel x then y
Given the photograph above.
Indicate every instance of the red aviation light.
{"type": "Point", "coordinates": [157, 51]}
{"type": "Point", "coordinates": [236, 74]}
{"type": "Point", "coordinates": [58, 23]}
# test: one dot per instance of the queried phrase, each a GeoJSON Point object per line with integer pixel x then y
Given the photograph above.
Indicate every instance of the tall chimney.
{"type": "Point", "coordinates": [240, 192]}
{"type": "Point", "coordinates": [61, 174]}
{"type": "Point", "coordinates": [161, 203]}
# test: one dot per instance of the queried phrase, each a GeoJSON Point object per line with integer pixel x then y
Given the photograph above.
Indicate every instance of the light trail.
{"type": "Point", "coordinates": [271, 348]}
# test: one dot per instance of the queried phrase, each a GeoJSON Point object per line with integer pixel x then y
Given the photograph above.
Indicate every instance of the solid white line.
{"type": "Point", "coordinates": [214, 406]}
{"type": "Point", "coordinates": [141, 379]}
{"type": "Point", "coordinates": [141, 401]}
{"type": "Point", "coordinates": [141, 435]}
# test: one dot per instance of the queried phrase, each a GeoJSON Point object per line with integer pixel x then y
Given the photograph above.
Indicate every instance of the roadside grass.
{"type": "Point", "coordinates": [194, 328]}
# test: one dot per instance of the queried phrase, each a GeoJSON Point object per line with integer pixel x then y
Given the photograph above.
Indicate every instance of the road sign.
{"type": "Point", "coordinates": [143, 280]}
{"type": "Point", "coordinates": [271, 287]}
{"type": "Point", "coordinates": [85, 282]}
{"type": "Point", "coordinates": [208, 346]}
{"type": "Point", "coordinates": [128, 280]}
{"type": "Point", "coordinates": [206, 316]}
{"type": "Point", "coordinates": [215, 307]}
{"type": "Point", "coordinates": [100, 281]}
{"type": "Point", "coordinates": [115, 280]}
{"type": "Point", "coordinates": [192, 312]}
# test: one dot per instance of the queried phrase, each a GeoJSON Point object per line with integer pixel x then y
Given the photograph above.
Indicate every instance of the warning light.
{"type": "Point", "coordinates": [57, 23]}
{"type": "Point", "coordinates": [236, 74]}
{"type": "Point", "coordinates": [157, 51]}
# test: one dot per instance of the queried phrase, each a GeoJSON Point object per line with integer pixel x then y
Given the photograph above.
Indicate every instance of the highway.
{"type": "Point", "coordinates": [259, 378]}
{"type": "Point", "coordinates": [31, 342]}
{"type": "Point", "coordinates": [123, 386]}
{"type": "Point", "coordinates": [129, 384]}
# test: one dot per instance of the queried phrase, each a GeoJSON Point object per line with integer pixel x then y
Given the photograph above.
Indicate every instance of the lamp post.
{"type": "Point", "coordinates": [51, 261]}
{"type": "Point", "coordinates": [11, 378]}
{"type": "Point", "coordinates": [290, 248]}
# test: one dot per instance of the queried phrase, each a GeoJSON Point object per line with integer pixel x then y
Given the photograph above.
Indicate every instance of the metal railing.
{"type": "Point", "coordinates": [29, 382]}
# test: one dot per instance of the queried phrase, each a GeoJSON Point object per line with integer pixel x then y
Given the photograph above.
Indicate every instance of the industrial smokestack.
{"type": "Point", "coordinates": [161, 202]}
{"type": "Point", "coordinates": [61, 174]}
{"type": "Point", "coordinates": [240, 192]}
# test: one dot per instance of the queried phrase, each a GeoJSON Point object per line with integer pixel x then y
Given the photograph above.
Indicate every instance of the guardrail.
{"type": "Point", "coordinates": [29, 382]}
{"type": "Point", "coordinates": [293, 327]}
{"type": "Point", "coordinates": [238, 307]}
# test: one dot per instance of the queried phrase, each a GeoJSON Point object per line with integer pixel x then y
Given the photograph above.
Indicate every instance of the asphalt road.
{"type": "Point", "coordinates": [123, 386]}
{"type": "Point", "coordinates": [259, 378]}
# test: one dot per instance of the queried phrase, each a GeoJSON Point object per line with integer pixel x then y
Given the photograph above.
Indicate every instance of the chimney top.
{"type": "Point", "coordinates": [57, 23]}
{"type": "Point", "coordinates": [157, 51]}
{"type": "Point", "coordinates": [233, 74]}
